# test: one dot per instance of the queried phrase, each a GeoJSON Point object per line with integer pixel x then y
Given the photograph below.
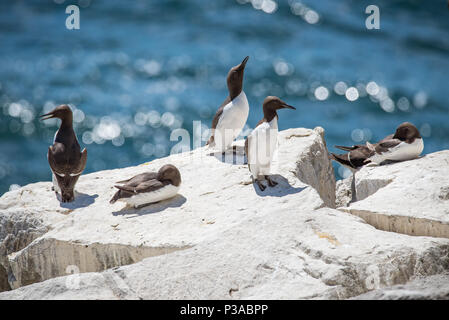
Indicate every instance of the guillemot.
{"type": "Point", "coordinates": [262, 141]}
{"type": "Point", "coordinates": [405, 144]}
{"type": "Point", "coordinates": [231, 116]}
{"type": "Point", "coordinates": [65, 157]}
{"type": "Point", "coordinates": [149, 187]}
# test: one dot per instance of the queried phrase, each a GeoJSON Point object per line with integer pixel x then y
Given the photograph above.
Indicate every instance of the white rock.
{"type": "Point", "coordinates": [221, 238]}
{"type": "Point", "coordinates": [429, 288]}
{"type": "Point", "coordinates": [94, 235]}
{"type": "Point", "coordinates": [276, 253]}
{"type": "Point", "coordinates": [410, 197]}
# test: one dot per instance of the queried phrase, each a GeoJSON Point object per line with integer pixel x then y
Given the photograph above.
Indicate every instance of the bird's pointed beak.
{"type": "Point", "coordinates": [243, 64]}
{"type": "Point", "coordinates": [47, 116]}
{"type": "Point", "coordinates": [284, 105]}
{"type": "Point", "coordinates": [288, 106]}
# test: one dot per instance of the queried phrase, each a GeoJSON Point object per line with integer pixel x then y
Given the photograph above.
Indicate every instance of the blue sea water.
{"type": "Point", "coordinates": [137, 70]}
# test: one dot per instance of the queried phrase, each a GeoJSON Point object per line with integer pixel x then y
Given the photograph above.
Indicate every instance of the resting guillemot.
{"type": "Point", "coordinates": [65, 157]}
{"type": "Point", "coordinates": [405, 144]}
{"type": "Point", "coordinates": [149, 187]}
{"type": "Point", "coordinates": [262, 141]}
{"type": "Point", "coordinates": [231, 116]}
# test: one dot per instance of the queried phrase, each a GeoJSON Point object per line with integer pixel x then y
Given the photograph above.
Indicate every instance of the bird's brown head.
{"type": "Point", "coordinates": [170, 173]}
{"type": "Point", "coordinates": [407, 132]}
{"type": "Point", "coordinates": [271, 104]}
{"type": "Point", "coordinates": [62, 112]}
{"type": "Point", "coordinates": [67, 195]}
{"type": "Point", "coordinates": [67, 186]}
{"type": "Point", "coordinates": [235, 79]}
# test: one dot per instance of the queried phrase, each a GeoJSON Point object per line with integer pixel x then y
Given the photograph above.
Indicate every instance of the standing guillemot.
{"type": "Point", "coordinates": [149, 187]}
{"type": "Point", "coordinates": [231, 116]}
{"type": "Point", "coordinates": [261, 143]}
{"type": "Point", "coordinates": [405, 144]}
{"type": "Point", "coordinates": [65, 157]}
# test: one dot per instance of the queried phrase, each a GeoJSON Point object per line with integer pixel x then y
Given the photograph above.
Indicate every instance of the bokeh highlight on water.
{"type": "Point", "coordinates": [136, 70]}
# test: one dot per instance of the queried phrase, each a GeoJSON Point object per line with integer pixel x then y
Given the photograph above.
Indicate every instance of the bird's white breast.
{"type": "Point", "coordinates": [231, 121]}
{"type": "Point", "coordinates": [141, 199]}
{"type": "Point", "coordinates": [261, 147]}
{"type": "Point", "coordinates": [55, 183]}
{"type": "Point", "coordinates": [401, 152]}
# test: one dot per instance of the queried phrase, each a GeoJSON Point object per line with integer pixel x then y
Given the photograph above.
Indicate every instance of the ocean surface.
{"type": "Point", "coordinates": [136, 71]}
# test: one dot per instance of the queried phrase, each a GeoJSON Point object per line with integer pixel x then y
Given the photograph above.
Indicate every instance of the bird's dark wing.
{"type": "Point", "coordinates": [355, 158]}
{"type": "Point", "coordinates": [146, 186]}
{"type": "Point", "coordinates": [217, 118]}
{"type": "Point", "coordinates": [359, 157]}
{"type": "Point", "coordinates": [219, 112]}
{"type": "Point", "coordinates": [63, 162]}
{"type": "Point", "coordinates": [386, 145]}
{"type": "Point", "coordinates": [348, 148]}
{"type": "Point", "coordinates": [81, 164]}
{"type": "Point", "coordinates": [342, 159]}
{"type": "Point", "coordinates": [56, 160]}
{"type": "Point", "coordinates": [134, 181]}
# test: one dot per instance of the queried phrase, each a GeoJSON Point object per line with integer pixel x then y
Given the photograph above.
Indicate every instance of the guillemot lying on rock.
{"type": "Point", "coordinates": [149, 187]}
{"type": "Point", "coordinates": [405, 144]}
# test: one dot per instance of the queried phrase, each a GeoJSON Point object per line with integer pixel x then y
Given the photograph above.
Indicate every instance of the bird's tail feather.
{"type": "Point", "coordinates": [346, 148]}
{"type": "Point", "coordinates": [115, 197]}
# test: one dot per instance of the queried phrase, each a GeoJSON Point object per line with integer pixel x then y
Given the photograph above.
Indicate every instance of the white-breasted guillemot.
{"type": "Point", "coordinates": [262, 141]}
{"type": "Point", "coordinates": [405, 144]}
{"type": "Point", "coordinates": [149, 187]}
{"type": "Point", "coordinates": [231, 116]}
{"type": "Point", "coordinates": [65, 157]}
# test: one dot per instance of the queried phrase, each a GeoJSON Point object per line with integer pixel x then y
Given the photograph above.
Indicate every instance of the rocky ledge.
{"type": "Point", "coordinates": [221, 238]}
{"type": "Point", "coordinates": [410, 197]}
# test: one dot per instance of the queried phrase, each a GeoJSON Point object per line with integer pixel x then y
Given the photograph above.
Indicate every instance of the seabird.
{"type": "Point", "coordinates": [149, 187]}
{"type": "Point", "coordinates": [405, 144]}
{"type": "Point", "coordinates": [262, 141]}
{"type": "Point", "coordinates": [65, 157]}
{"type": "Point", "coordinates": [231, 116]}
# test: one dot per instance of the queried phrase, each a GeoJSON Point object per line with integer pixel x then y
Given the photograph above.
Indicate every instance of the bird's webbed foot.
{"type": "Point", "coordinates": [270, 181]}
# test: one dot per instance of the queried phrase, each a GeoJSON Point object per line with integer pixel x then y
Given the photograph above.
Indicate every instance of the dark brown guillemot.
{"type": "Point", "coordinates": [149, 187]}
{"type": "Point", "coordinates": [65, 157]}
{"type": "Point", "coordinates": [231, 116]}
{"type": "Point", "coordinates": [261, 143]}
{"type": "Point", "coordinates": [405, 144]}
